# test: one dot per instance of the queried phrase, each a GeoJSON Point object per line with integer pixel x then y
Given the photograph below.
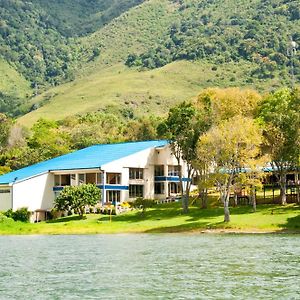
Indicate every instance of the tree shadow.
{"type": "Point", "coordinates": [165, 213]}
{"type": "Point", "coordinates": [67, 219]}
{"type": "Point", "coordinates": [292, 224]}
{"type": "Point", "coordinates": [279, 209]}
{"type": "Point", "coordinates": [151, 214]}
{"type": "Point", "coordinates": [187, 227]}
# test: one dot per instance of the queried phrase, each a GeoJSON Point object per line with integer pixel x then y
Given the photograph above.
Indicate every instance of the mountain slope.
{"type": "Point", "coordinates": [80, 17]}
{"type": "Point", "coordinates": [223, 31]}
{"type": "Point", "coordinates": [14, 89]}
{"type": "Point", "coordinates": [136, 30]}
{"type": "Point", "coordinates": [11, 82]}
{"type": "Point", "coordinates": [104, 83]}
{"type": "Point", "coordinates": [39, 38]}
{"type": "Point", "coordinates": [172, 48]}
{"type": "Point", "coordinates": [150, 92]}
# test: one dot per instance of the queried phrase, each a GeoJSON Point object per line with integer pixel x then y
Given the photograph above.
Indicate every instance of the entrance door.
{"type": "Point", "coordinates": [113, 197]}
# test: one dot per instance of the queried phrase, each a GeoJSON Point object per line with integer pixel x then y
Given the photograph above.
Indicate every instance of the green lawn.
{"type": "Point", "coordinates": [168, 218]}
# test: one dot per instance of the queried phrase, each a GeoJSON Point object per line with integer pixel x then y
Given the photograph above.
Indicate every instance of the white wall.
{"type": "Point", "coordinates": [142, 159]}
{"type": "Point", "coordinates": [146, 160]}
{"type": "Point", "coordinates": [34, 193]}
{"type": "Point", "coordinates": [165, 157]}
{"type": "Point", "coordinates": [5, 199]}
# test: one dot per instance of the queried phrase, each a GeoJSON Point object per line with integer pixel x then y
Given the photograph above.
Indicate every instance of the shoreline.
{"type": "Point", "coordinates": [168, 220]}
{"type": "Point", "coordinates": [179, 232]}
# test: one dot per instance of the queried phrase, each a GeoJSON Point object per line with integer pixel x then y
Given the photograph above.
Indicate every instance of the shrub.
{"type": "Point", "coordinates": [2, 217]}
{"type": "Point", "coordinates": [76, 198]}
{"type": "Point", "coordinates": [143, 204]}
{"type": "Point", "coordinates": [22, 214]}
{"type": "Point", "coordinates": [9, 213]}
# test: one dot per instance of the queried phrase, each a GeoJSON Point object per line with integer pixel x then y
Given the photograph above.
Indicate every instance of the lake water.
{"type": "Point", "coordinates": [150, 267]}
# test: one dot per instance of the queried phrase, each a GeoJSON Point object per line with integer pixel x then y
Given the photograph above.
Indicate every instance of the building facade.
{"type": "Point", "coordinates": [123, 172]}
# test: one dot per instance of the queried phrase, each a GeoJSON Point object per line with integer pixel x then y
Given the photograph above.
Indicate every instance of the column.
{"type": "Point", "coordinates": [166, 183]}
{"type": "Point", "coordinates": [103, 189]}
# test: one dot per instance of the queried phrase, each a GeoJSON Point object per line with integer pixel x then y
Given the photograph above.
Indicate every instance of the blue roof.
{"type": "Point", "coordinates": [88, 158]}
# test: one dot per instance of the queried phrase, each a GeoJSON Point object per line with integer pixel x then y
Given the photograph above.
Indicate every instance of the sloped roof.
{"type": "Point", "coordinates": [88, 158]}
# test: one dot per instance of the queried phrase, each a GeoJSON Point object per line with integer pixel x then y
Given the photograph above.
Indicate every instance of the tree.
{"type": "Point", "coordinates": [182, 128]}
{"type": "Point", "coordinates": [5, 126]}
{"type": "Point", "coordinates": [49, 139]}
{"type": "Point", "coordinates": [223, 104]}
{"type": "Point", "coordinates": [280, 115]}
{"type": "Point", "coordinates": [219, 105]}
{"type": "Point", "coordinates": [76, 198]}
{"type": "Point", "coordinates": [231, 146]}
{"type": "Point", "coordinates": [251, 180]}
{"type": "Point", "coordinates": [142, 129]}
{"type": "Point", "coordinates": [203, 168]}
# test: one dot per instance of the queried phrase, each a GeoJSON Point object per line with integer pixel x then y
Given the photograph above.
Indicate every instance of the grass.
{"type": "Point", "coordinates": [146, 92]}
{"type": "Point", "coordinates": [11, 82]}
{"type": "Point", "coordinates": [167, 218]}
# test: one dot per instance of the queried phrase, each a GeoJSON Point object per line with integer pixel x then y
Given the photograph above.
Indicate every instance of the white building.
{"type": "Point", "coordinates": [122, 171]}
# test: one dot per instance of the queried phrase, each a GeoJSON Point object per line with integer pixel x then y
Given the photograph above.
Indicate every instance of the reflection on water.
{"type": "Point", "coordinates": [150, 267]}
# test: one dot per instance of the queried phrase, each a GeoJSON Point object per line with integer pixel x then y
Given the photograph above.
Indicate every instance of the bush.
{"type": "Point", "coordinates": [143, 204]}
{"type": "Point", "coordinates": [76, 198]}
{"type": "Point", "coordinates": [22, 214]}
{"type": "Point", "coordinates": [9, 213]}
{"type": "Point", "coordinates": [2, 217]}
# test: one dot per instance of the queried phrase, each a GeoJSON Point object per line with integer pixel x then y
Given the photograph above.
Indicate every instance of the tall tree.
{"type": "Point", "coordinates": [219, 105]}
{"type": "Point", "coordinates": [182, 128]}
{"type": "Point", "coordinates": [280, 114]}
{"type": "Point", "coordinates": [231, 146]}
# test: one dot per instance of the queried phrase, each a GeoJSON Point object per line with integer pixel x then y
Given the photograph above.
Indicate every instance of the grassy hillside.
{"type": "Point", "coordinates": [136, 30]}
{"type": "Point", "coordinates": [11, 82]}
{"type": "Point", "coordinates": [145, 92]}
{"type": "Point", "coordinates": [14, 90]}
{"type": "Point", "coordinates": [173, 48]}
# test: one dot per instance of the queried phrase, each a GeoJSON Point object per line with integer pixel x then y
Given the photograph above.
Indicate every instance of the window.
{"type": "Point", "coordinates": [65, 180]}
{"type": "Point", "coordinates": [57, 180]}
{"type": "Point", "coordinates": [174, 170]}
{"type": "Point", "coordinates": [113, 178]}
{"type": "Point", "coordinates": [4, 191]}
{"type": "Point", "coordinates": [136, 191]}
{"type": "Point", "coordinates": [174, 188]}
{"type": "Point", "coordinates": [81, 179]}
{"type": "Point", "coordinates": [113, 196]}
{"type": "Point", "coordinates": [159, 171]}
{"type": "Point", "coordinates": [94, 178]}
{"type": "Point", "coordinates": [159, 188]}
{"type": "Point", "coordinates": [136, 173]}
{"type": "Point", "coordinates": [90, 178]}
{"type": "Point", "coordinates": [99, 178]}
{"type": "Point", "coordinates": [73, 179]}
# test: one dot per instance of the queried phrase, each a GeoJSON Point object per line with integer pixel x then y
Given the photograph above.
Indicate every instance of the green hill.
{"type": "Point", "coordinates": [225, 31]}
{"type": "Point", "coordinates": [143, 92]}
{"type": "Point", "coordinates": [11, 82]}
{"type": "Point", "coordinates": [14, 89]}
{"type": "Point", "coordinates": [81, 17]}
{"type": "Point", "coordinates": [172, 48]}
